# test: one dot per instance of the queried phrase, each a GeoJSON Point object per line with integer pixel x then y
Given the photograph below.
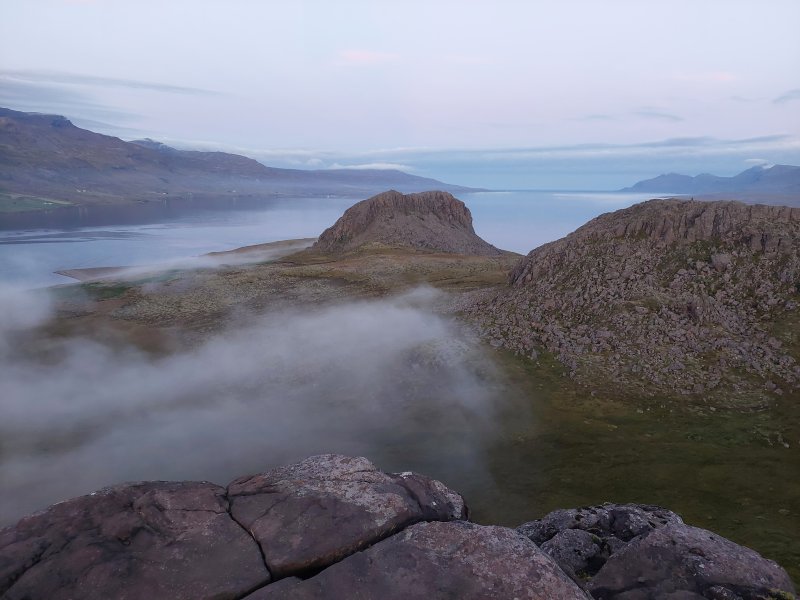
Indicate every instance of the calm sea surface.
{"type": "Point", "coordinates": [517, 221]}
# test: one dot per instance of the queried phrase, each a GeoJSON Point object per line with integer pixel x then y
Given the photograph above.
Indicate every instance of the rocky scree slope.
{"type": "Point", "coordinates": [433, 221]}
{"type": "Point", "coordinates": [664, 297]}
{"type": "Point", "coordinates": [334, 526]}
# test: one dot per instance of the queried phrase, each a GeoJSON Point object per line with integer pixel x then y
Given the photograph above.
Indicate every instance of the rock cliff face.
{"type": "Point", "coordinates": [667, 296]}
{"type": "Point", "coordinates": [336, 527]}
{"type": "Point", "coordinates": [434, 221]}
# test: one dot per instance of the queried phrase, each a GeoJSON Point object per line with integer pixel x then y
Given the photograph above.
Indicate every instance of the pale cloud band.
{"type": "Point", "coordinates": [62, 78]}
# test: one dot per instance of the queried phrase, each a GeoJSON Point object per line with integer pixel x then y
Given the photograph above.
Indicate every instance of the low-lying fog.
{"type": "Point", "coordinates": [389, 379]}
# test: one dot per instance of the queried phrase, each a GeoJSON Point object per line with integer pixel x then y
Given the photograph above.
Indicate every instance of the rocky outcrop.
{"type": "Point", "coordinates": [639, 552]}
{"type": "Point", "coordinates": [144, 540]}
{"type": "Point", "coordinates": [439, 560]}
{"type": "Point", "coordinates": [432, 221]}
{"type": "Point", "coordinates": [312, 514]}
{"type": "Point", "coordinates": [665, 297]}
{"type": "Point", "coordinates": [336, 527]}
{"type": "Point", "coordinates": [199, 540]}
{"type": "Point", "coordinates": [581, 540]}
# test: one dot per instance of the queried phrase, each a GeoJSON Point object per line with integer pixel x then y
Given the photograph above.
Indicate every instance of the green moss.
{"type": "Point", "coordinates": [583, 445]}
{"type": "Point", "coordinates": [102, 291]}
{"type": "Point", "coordinates": [779, 595]}
{"type": "Point", "coordinates": [10, 203]}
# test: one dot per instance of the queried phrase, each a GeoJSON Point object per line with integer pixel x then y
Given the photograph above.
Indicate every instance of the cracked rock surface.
{"type": "Point", "coordinates": [311, 514]}
{"type": "Point", "coordinates": [334, 526]}
{"type": "Point", "coordinates": [198, 540]}
{"type": "Point", "coordinates": [438, 560]}
{"type": "Point", "coordinates": [142, 540]}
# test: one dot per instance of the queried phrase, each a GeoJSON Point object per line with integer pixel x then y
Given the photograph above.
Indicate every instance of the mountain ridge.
{"type": "Point", "coordinates": [775, 179]}
{"type": "Point", "coordinates": [47, 156]}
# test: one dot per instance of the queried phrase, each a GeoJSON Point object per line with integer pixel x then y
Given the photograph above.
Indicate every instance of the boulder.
{"type": "Point", "coordinates": [642, 552]}
{"type": "Point", "coordinates": [142, 540]}
{"type": "Point", "coordinates": [438, 560]}
{"type": "Point", "coordinates": [334, 526]}
{"type": "Point", "coordinates": [680, 561]}
{"type": "Point", "coordinates": [309, 515]}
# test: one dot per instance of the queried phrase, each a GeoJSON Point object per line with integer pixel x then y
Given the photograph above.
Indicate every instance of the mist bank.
{"type": "Point", "coordinates": [384, 378]}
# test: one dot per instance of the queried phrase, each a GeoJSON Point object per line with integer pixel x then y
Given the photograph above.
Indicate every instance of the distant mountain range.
{"type": "Point", "coordinates": [774, 180]}
{"type": "Point", "coordinates": [47, 157]}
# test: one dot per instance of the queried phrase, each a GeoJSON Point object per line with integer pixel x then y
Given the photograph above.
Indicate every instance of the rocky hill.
{"type": "Point", "coordinates": [46, 156]}
{"type": "Point", "coordinates": [336, 527]}
{"type": "Point", "coordinates": [666, 297]}
{"type": "Point", "coordinates": [434, 221]}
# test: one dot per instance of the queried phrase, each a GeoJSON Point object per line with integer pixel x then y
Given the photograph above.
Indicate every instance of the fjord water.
{"type": "Point", "coordinates": [120, 236]}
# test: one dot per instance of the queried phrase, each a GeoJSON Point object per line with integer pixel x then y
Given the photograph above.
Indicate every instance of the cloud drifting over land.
{"type": "Point", "coordinates": [385, 378]}
{"type": "Point", "coordinates": [577, 166]}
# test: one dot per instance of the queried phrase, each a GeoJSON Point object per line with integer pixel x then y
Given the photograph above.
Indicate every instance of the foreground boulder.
{"type": "Point", "coordinates": [336, 527]}
{"type": "Point", "coordinates": [198, 540]}
{"type": "Point", "coordinates": [312, 514]}
{"type": "Point", "coordinates": [639, 552]}
{"type": "Point", "coordinates": [144, 540]}
{"type": "Point", "coordinates": [582, 539]}
{"type": "Point", "coordinates": [432, 221]}
{"type": "Point", "coordinates": [438, 560]}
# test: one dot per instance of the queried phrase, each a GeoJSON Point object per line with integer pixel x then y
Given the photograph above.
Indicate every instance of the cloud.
{"type": "Point", "coordinates": [468, 60]}
{"type": "Point", "coordinates": [596, 117]}
{"type": "Point", "coordinates": [577, 166]}
{"type": "Point", "coordinates": [789, 96]}
{"type": "Point", "coordinates": [57, 99]}
{"type": "Point", "coordinates": [373, 165]}
{"type": "Point", "coordinates": [707, 77]}
{"type": "Point", "coordinates": [414, 158]}
{"type": "Point", "coordinates": [60, 77]}
{"type": "Point", "coordinates": [21, 310]}
{"type": "Point", "coordinates": [386, 378]}
{"type": "Point", "coordinates": [646, 113]}
{"type": "Point", "coordinates": [365, 57]}
{"type": "Point", "coordinates": [658, 115]}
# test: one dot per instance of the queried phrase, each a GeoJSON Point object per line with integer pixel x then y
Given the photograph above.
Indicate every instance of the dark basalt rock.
{"type": "Point", "coordinates": [642, 552]}
{"type": "Point", "coordinates": [438, 560]}
{"type": "Point", "coordinates": [620, 521]}
{"type": "Point", "coordinates": [336, 527]}
{"type": "Point", "coordinates": [678, 559]}
{"type": "Point", "coordinates": [144, 540]}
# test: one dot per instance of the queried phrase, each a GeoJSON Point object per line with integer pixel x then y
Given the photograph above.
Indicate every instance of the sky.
{"type": "Point", "coordinates": [576, 94]}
